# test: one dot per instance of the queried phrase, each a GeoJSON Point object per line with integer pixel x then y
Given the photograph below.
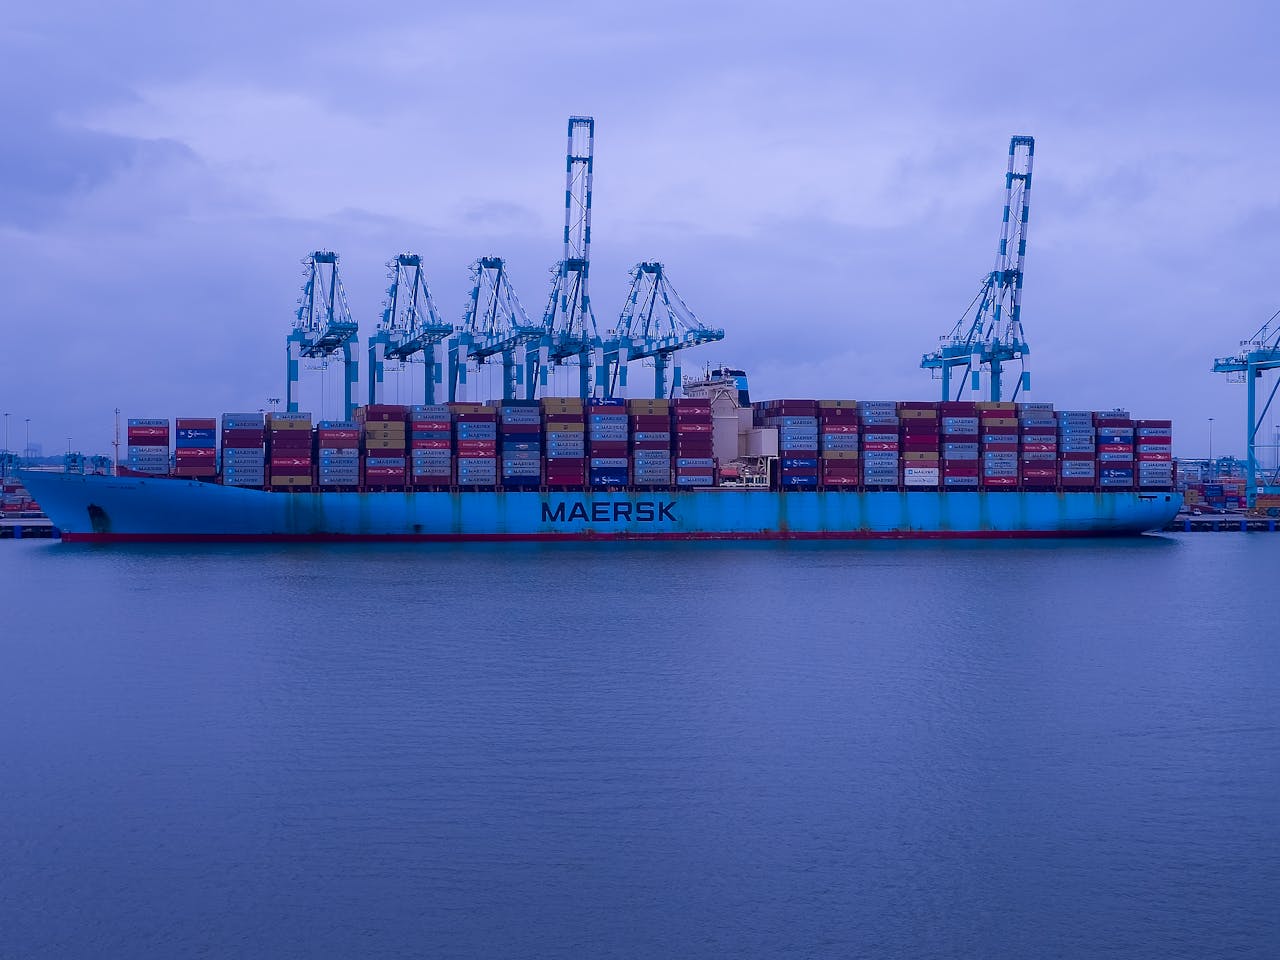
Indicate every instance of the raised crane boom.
{"type": "Point", "coordinates": [569, 323]}
{"type": "Point", "coordinates": [1257, 355]}
{"type": "Point", "coordinates": [410, 325]}
{"type": "Point", "coordinates": [323, 326]}
{"type": "Point", "coordinates": [993, 336]}
{"type": "Point", "coordinates": [655, 322]}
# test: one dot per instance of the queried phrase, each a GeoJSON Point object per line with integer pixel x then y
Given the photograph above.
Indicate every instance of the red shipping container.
{"type": "Point", "coordinates": [878, 445]}
{"type": "Point", "coordinates": [1155, 457]}
{"type": "Point", "coordinates": [843, 428]}
{"type": "Point", "coordinates": [430, 425]}
{"type": "Point", "coordinates": [477, 448]}
{"type": "Point", "coordinates": [1115, 448]}
{"type": "Point", "coordinates": [684, 427]}
{"type": "Point", "coordinates": [999, 481]}
{"type": "Point", "coordinates": [431, 444]}
{"type": "Point", "coordinates": [828, 481]}
{"type": "Point", "coordinates": [1039, 447]}
{"type": "Point", "coordinates": [146, 433]}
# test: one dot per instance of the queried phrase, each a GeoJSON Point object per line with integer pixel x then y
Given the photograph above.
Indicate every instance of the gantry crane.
{"type": "Point", "coordinates": [655, 322]}
{"type": "Point", "coordinates": [569, 325]}
{"type": "Point", "coordinates": [994, 335]}
{"type": "Point", "coordinates": [496, 325]}
{"type": "Point", "coordinates": [322, 328]}
{"type": "Point", "coordinates": [410, 325]}
{"type": "Point", "coordinates": [1257, 355]}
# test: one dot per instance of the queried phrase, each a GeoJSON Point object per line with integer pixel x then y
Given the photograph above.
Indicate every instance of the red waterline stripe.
{"type": "Point", "coordinates": [569, 537]}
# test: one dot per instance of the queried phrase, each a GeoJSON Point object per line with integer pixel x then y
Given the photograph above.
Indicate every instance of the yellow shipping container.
{"type": "Point", "coordinates": [377, 444]}
{"type": "Point", "coordinates": [289, 425]}
{"type": "Point", "coordinates": [553, 427]}
{"type": "Point", "coordinates": [837, 404]}
{"type": "Point", "coordinates": [999, 422]}
{"type": "Point", "coordinates": [917, 414]}
{"type": "Point", "coordinates": [916, 456]}
{"type": "Point", "coordinates": [290, 482]}
{"type": "Point", "coordinates": [840, 455]}
{"type": "Point", "coordinates": [996, 405]}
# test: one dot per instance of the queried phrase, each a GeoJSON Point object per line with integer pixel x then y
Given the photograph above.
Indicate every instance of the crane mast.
{"type": "Point", "coordinates": [569, 324]}
{"type": "Point", "coordinates": [410, 325]}
{"type": "Point", "coordinates": [992, 336]}
{"type": "Point", "coordinates": [655, 323]}
{"type": "Point", "coordinates": [323, 328]}
{"type": "Point", "coordinates": [1258, 355]}
{"type": "Point", "coordinates": [496, 324]}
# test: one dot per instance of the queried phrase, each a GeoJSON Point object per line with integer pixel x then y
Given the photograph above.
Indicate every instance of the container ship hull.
{"type": "Point", "coordinates": [122, 509]}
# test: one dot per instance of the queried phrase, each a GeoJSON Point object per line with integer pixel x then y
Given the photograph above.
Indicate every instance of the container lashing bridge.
{"type": "Point", "coordinates": [991, 335]}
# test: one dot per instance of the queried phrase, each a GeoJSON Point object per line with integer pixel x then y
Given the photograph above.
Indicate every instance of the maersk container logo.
{"type": "Point", "coordinates": [613, 511]}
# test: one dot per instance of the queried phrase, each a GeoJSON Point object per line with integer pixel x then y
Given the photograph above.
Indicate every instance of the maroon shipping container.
{"type": "Point", "coordinates": [958, 408]}
{"type": "Point", "coordinates": [530, 428]}
{"type": "Point", "coordinates": [197, 424]}
{"type": "Point", "coordinates": [878, 445]}
{"type": "Point", "coordinates": [1000, 447]}
{"type": "Point", "coordinates": [840, 428]}
{"type": "Point", "coordinates": [691, 403]}
{"type": "Point", "coordinates": [917, 405]}
{"type": "Point", "coordinates": [650, 423]}
{"type": "Point", "coordinates": [1076, 482]}
{"type": "Point", "coordinates": [650, 445]}
{"type": "Point", "coordinates": [1111, 422]}
{"type": "Point", "coordinates": [829, 480]}
{"type": "Point", "coordinates": [431, 444]}
{"type": "Point", "coordinates": [607, 448]}
{"type": "Point", "coordinates": [477, 448]}
{"type": "Point", "coordinates": [1159, 424]}
{"type": "Point", "coordinates": [475, 417]}
{"type": "Point", "coordinates": [430, 425]}
{"type": "Point", "coordinates": [953, 470]}
{"type": "Point", "coordinates": [1039, 447]}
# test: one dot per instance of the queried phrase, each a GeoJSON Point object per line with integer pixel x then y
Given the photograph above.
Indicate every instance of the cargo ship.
{"type": "Point", "coordinates": [708, 466]}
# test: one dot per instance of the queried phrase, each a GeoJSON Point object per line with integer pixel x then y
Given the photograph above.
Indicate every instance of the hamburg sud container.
{"type": "Point", "coordinates": [608, 443]}
{"type": "Point", "coordinates": [691, 427]}
{"type": "Point", "coordinates": [476, 431]}
{"type": "Point", "coordinates": [921, 450]}
{"type": "Point", "coordinates": [651, 442]}
{"type": "Point", "coordinates": [960, 442]}
{"type": "Point", "coordinates": [520, 436]}
{"type": "Point", "coordinates": [386, 445]}
{"type": "Point", "coordinates": [880, 442]}
{"type": "Point", "coordinates": [1154, 443]}
{"type": "Point", "coordinates": [195, 447]}
{"type": "Point", "coordinates": [148, 450]}
{"type": "Point", "coordinates": [1077, 449]}
{"type": "Point", "coordinates": [1038, 445]}
{"type": "Point", "coordinates": [998, 442]}
{"type": "Point", "coordinates": [839, 428]}
{"type": "Point", "coordinates": [564, 432]}
{"type": "Point", "coordinates": [244, 441]}
{"type": "Point", "coordinates": [338, 453]}
{"type": "Point", "coordinates": [431, 445]}
{"type": "Point", "coordinates": [289, 450]}
{"type": "Point", "coordinates": [1115, 449]}
{"type": "Point", "coordinates": [797, 424]}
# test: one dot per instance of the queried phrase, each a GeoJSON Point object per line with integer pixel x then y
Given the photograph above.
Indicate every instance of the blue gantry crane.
{"type": "Point", "coordinates": [1259, 354]}
{"type": "Point", "coordinates": [570, 334]}
{"type": "Point", "coordinates": [496, 324]}
{"type": "Point", "coordinates": [323, 328]}
{"type": "Point", "coordinates": [410, 326]}
{"type": "Point", "coordinates": [991, 335]}
{"type": "Point", "coordinates": [655, 323]}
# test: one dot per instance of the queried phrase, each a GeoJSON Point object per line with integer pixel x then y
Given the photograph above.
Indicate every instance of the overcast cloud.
{"type": "Point", "coordinates": [823, 180]}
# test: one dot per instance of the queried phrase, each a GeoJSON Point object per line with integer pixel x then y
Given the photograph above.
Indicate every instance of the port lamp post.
{"type": "Point", "coordinates": [1211, 466]}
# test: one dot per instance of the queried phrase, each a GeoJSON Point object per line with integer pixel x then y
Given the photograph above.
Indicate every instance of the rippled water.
{"type": "Point", "coordinates": [952, 750]}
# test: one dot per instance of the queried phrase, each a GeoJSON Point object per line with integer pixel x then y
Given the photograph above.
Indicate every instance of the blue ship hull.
{"type": "Point", "coordinates": [116, 509]}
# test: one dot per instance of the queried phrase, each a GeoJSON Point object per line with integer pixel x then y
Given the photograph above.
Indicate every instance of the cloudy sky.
{"type": "Point", "coordinates": [823, 180]}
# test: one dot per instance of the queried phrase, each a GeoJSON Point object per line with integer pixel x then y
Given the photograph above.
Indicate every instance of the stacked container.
{"type": "Point", "coordinates": [521, 443]}
{"type": "Point", "coordinates": [998, 439]}
{"type": "Point", "coordinates": [431, 445]}
{"type": "Point", "coordinates": [564, 425]}
{"type": "Point", "coordinates": [838, 441]}
{"type": "Point", "coordinates": [921, 450]}
{"type": "Point", "coordinates": [244, 452]}
{"type": "Point", "coordinates": [1155, 454]}
{"type": "Point", "coordinates": [797, 424]}
{"type": "Point", "coordinates": [607, 443]}
{"type": "Point", "coordinates": [1038, 445]}
{"type": "Point", "coordinates": [880, 442]}
{"type": "Point", "coordinates": [960, 444]}
{"type": "Point", "coordinates": [289, 450]}
{"type": "Point", "coordinates": [692, 430]}
{"type": "Point", "coordinates": [386, 445]}
{"type": "Point", "coordinates": [476, 442]}
{"type": "Point", "coordinates": [1115, 450]}
{"type": "Point", "coordinates": [196, 448]}
{"type": "Point", "coordinates": [1077, 450]}
{"type": "Point", "coordinates": [651, 442]}
{"type": "Point", "coordinates": [148, 446]}
{"type": "Point", "coordinates": [338, 453]}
